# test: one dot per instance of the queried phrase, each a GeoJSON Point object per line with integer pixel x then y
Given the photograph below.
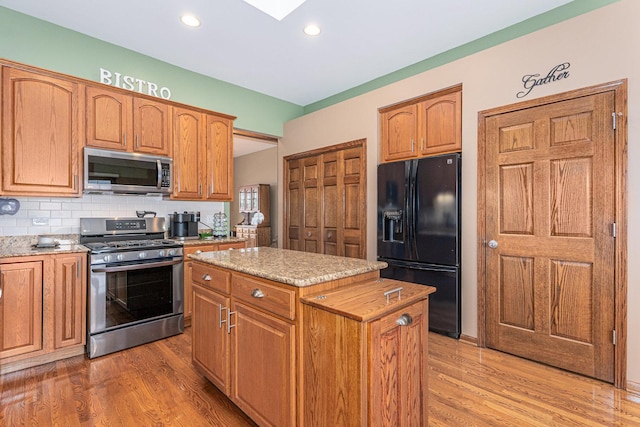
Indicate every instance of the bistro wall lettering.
{"type": "Point", "coordinates": [133, 83]}
{"type": "Point", "coordinates": [530, 81]}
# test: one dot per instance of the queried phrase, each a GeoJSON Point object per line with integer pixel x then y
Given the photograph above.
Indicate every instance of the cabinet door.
{"type": "Point", "coordinates": [441, 124]}
{"type": "Point", "coordinates": [69, 300]}
{"type": "Point", "coordinates": [398, 359]}
{"type": "Point", "coordinates": [399, 131]}
{"type": "Point", "coordinates": [264, 375]}
{"type": "Point", "coordinates": [20, 308]}
{"type": "Point", "coordinates": [311, 206]}
{"type": "Point", "coordinates": [108, 117]}
{"type": "Point", "coordinates": [40, 134]}
{"type": "Point", "coordinates": [151, 127]}
{"type": "Point", "coordinates": [241, 199]}
{"type": "Point", "coordinates": [210, 340]}
{"type": "Point", "coordinates": [219, 158]}
{"type": "Point", "coordinates": [188, 156]}
{"type": "Point", "coordinates": [294, 200]}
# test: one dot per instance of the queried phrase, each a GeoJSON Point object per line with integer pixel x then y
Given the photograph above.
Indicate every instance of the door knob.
{"type": "Point", "coordinates": [492, 244]}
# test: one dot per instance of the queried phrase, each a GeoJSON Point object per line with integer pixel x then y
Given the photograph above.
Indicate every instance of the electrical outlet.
{"type": "Point", "coordinates": [40, 221]}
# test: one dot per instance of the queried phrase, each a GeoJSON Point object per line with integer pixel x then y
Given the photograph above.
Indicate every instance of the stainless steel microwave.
{"type": "Point", "coordinates": [118, 172]}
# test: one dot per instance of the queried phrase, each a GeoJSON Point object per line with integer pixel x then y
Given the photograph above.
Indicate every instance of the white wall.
{"type": "Point", "coordinates": [63, 214]}
{"type": "Point", "coordinates": [601, 46]}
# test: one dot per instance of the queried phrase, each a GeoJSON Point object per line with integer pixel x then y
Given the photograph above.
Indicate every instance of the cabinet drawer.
{"type": "Point", "coordinates": [268, 297]}
{"type": "Point", "coordinates": [235, 245]}
{"type": "Point", "coordinates": [211, 278]}
{"type": "Point", "coordinates": [188, 250]}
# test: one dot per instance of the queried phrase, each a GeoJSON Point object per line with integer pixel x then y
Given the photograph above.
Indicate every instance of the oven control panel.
{"type": "Point", "coordinates": [126, 224]}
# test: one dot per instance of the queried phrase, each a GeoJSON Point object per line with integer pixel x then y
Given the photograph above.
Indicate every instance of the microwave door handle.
{"type": "Point", "coordinates": [159, 167]}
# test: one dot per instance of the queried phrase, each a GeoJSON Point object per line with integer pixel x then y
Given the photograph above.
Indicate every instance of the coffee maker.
{"type": "Point", "coordinates": [184, 225]}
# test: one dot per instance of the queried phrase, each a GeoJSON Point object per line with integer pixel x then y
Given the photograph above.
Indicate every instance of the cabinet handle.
{"type": "Point", "coordinates": [137, 141]}
{"type": "Point", "coordinates": [0, 287]}
{"type": "Point", "coordinates": [75, 181]}
{"type": "Point", "coordinates": [229, 325]}
{"type": "Point", "coordinates": [392, 291]}
{"type": "Point", "coordinates": [206, 277]}
{"type": "Point", "coordinates": [124, 139]}
{"type": "Point", "coordinates": [198, 252]}
{"type": "Point", "coordinates": [422, 144]}
{"type": "Point", "coordinates": [257, 293]}
{"type": "Point", "coordinates": [404, 320]}
{"type": "Point", "coordinates": [413, 145]}
{"type": "Point", "coordinates": [200, 190]}
{"type": "Point", "coordinates": [220, 314]}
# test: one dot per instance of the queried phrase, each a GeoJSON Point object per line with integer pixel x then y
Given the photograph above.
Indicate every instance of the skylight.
{"type": "Point", "coordinates": [278, 9]}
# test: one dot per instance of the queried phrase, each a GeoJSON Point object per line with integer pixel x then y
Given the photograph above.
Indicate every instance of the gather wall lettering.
{"type": "Point", "coordinates": [133, 83]}
{"type": "Point", "coordinates": [530, 81]}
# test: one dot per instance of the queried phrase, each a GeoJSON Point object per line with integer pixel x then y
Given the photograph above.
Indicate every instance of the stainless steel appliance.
{"type": "Point", "coordinates": [119, 172]}
{"type": "Point", "coordinates": [135, 291]}
{"type": "Point", "coordinates": [419, 231]}
{"type": "Point", "coordinates": [184, 225]}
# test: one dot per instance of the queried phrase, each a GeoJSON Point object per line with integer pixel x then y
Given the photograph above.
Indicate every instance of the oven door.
{"type": "Point", "coordinates": [126, 294]}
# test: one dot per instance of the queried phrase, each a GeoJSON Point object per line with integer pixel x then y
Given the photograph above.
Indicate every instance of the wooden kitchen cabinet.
{"type": "Point", "coordinates": [424, 126]}
{"type": "Point", "coordinates": [118, 121]}
{"type": "Point", "coordinates": [376, 372]}
{"type": "Point", "coordinates": [256, 236]}
{"type": "Point", "coordinates": [41, 127]}
{"type": "Point", "coordinates": [42, 309]}
{"type": "Point", "coordinates": [70, 300]}
{"type": "Point", "coordinates": [203, 155]}
{"type": "Point", "coordinates": [20, 308]}
{"type": "Point", "coordinates": [188, 270]}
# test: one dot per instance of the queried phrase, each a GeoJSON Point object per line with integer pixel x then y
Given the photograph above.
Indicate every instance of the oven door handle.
{"type": "Point", "coordinates": [130, 267]}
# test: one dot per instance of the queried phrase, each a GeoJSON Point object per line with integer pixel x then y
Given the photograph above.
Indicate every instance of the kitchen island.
{"type": "Point", "coordinates": [251, 337]}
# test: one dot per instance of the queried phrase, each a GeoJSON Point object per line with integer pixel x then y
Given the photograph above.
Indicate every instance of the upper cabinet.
{"type": "Point", "coordinates": [119, 121]}
{"type": "Point", "coordinates": [202, 155]}
{"type": "Point", "coordinates": [46, 119]}
{"type": "Point", "coordinates": [422, 127]}
{"type": "Point", "coordinates": [41, 128]}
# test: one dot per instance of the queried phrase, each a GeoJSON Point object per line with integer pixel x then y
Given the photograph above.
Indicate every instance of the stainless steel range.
{"type": "Point", "coordinates": [136, 283]}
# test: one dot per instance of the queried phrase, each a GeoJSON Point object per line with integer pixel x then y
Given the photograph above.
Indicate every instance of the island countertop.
{"type": "Point", "coordinates": [286, 266]}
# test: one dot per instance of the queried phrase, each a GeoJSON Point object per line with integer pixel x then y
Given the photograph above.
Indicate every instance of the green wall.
{"type": "Point", "coordinates": [35, 42]}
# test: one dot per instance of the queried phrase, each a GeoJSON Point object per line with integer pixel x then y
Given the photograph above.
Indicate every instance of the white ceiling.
{"type": "Point", "coordinates": [237, 43]}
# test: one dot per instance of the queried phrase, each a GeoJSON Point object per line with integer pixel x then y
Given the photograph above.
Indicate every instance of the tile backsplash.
{"type": "Point", "coordinates": [61, 215]}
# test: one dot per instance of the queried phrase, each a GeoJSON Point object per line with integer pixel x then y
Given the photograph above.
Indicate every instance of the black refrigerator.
{"type": "Point", "coordinates": [419, 231]}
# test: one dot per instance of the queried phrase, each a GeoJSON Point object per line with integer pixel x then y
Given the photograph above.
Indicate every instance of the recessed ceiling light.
{"type": "Point", "coordinates": [190, 21]}
{"type": "Point", "coordinates": [312, 30]}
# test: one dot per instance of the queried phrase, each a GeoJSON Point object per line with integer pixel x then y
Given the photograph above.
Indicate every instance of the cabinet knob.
{"type": "Point", "coordinates": [308, 234]}
{"type": "Point", "coordinates": [257, 293]}
{"type": "Point", "coordinates": [206, 277]}
{"type": "Point", "coordinates": [329, 235]}
{"type": "Point", "coordinates": [198, 252]}
{"type": "Point", "coordinates": [404, 320]}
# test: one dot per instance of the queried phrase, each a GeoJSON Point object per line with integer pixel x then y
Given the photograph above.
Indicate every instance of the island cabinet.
{"type": "Point", "coordinates": [203, 155]}
{"type": "Point", "coordinates": [197, 248]}
{"type": "Point", "coordinates": [123, 122]}
{"type": "Point", "coordinates": [428, 125]}
{"type": "Point", "coordinates": [247, 323]}
{"type": "Point", "coordinates": [42, 309]}
{"type": "Point", "coordinates": [41, 128]}
{"type": "Point", "coordinates": [375, 373]}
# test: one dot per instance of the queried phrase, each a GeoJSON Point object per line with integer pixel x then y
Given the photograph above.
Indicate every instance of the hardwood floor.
{"type": "Point", "coordinates": [155, 385]}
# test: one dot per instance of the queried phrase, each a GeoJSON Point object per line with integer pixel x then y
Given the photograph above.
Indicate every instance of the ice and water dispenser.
{"type": "Point", "coordinates": [392, 225]}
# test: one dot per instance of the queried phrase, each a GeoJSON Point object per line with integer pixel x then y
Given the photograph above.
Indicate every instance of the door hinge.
{"type": "Point", "coordinates": [615, 340]}
{"type": "Point", "coordinates": [614, 230]}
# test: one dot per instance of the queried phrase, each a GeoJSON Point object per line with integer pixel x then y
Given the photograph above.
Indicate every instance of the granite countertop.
{"type": "Point", "coordinates": [198, 241]}
{"type": "Point", "coordinates": [291, 267]}
{"type": "Point", "coordinates": [14, 246]}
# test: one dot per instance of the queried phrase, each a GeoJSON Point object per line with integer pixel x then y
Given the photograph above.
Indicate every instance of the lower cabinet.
{"type": "Point", "coordinates": [247, 340]}
{"type": "Point", "coordinates": [199, 248]}
{"type": "Point", "coordinates": [42, 309]}
{"type": "Point", "coordinates": [365, 356]}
